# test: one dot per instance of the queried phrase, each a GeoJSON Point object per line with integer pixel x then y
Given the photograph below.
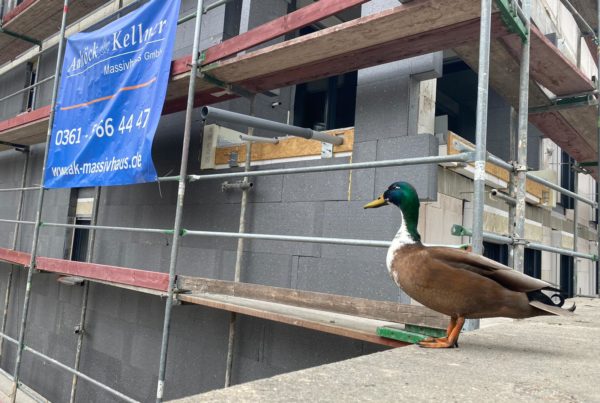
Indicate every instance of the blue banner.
{"type": "Point", "coordinates": [110, 99]}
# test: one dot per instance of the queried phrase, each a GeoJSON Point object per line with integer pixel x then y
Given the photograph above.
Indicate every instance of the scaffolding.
{"type": "Point", "coordinates": [268, 302]}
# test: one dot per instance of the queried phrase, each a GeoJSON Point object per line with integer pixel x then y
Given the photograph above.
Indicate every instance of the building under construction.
{"type": "Point", "coordinates": [251, 256]}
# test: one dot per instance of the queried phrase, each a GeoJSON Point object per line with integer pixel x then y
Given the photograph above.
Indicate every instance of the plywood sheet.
{"type": "Point", "coordinates": [532, 187]}
{"type": "Point", "coordinates": [286, 148]}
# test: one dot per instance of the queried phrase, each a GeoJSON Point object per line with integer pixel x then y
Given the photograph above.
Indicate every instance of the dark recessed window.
{"type": "Point", "coordinates": [533, 263]}
{"type": "Point", "coordinates": [566, 275]}
{"type": "Point", "coordinates": [496, 252]}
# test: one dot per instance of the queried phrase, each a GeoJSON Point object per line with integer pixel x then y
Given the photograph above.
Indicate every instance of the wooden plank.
{"type": "Point", "coordinates": [549, 66]}
{"type": "Point", "coordinates": [286, 148]}
{"type": "Point", "coordinates": [322, 321]}
{"type": "Point", "coordinates": [504, 73]}
{"type": "Point", "coordinates": [15, 257]}
{"type": "Point", "coordinates": [563, 133]}
{"type": "Point", "coordinates": [39, 19]}
{"type": "Point", "coordinates": [379, 310]}
{"type": "Point", "coordinates": [113, 274]}
{"type": "Point", "coordinates": [281, 26]}
{"type": "Point", "coordinates": [532, 187]}
{"type": "Point", "coordinates": [415, 45]}
{"type": "Point", "coordinates": [413, 18]}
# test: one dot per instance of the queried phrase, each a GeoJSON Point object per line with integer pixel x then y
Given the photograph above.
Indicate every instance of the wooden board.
{"type": "Point", "coordinates": [406, 20]}
{"type": "Point", "coordinates": [532, 187]}
{"type": "Point", "coordinates": [329, 322]}
{"type": "Point", "coordinates": [278, 27]}
{"type": "Point", "coordinates": [113, 275]}
{"type": "Point", "coordinates": [286, 148]}
{"type": "Point", "coordinates": [568, 128]}
{"type": "Point", "coordinates": [14, 257]}
{"type": "Point", "coordinates": [379, 310]}
{"type": "Point", "coordinates": [504, 73]}
{"type": "Point", "coordinates": [39, 19]}
{"type": "Point", "coordinates": [549, 66]}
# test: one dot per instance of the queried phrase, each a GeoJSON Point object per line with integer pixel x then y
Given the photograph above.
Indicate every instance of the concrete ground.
{"type": "Point", "coordinates": [546, 359]}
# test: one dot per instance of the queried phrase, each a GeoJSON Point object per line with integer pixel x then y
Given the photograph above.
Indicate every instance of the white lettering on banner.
{"type": "Point", "coordinates": [122, 39]}
{"type": "Point", "coordinates": [137, 35]}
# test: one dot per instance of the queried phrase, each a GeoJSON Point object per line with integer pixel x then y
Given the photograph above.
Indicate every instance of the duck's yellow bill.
{"type": "Point", "coordinates": [380, 201]}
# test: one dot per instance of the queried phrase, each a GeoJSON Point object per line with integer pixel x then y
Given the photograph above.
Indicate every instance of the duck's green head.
{"type": "Point", "coordinates": [404, 196]}
{"type": "Point", "coordinates": [401, 194]}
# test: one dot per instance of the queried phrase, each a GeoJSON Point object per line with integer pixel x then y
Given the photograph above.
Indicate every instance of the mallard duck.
{"type": "Point", "coordinates": [455, 282]}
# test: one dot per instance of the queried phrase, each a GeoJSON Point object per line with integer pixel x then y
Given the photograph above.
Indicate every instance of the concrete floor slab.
{"type": "Point", "coordinates": [546, 359]}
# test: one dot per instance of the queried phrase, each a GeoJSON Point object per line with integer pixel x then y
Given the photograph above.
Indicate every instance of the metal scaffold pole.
{"type": "Point", "coordinates": [598, 134]}
{"type": "Point", "coordinates": [180, 200]}
{"type": "Point", "coordinates": [40, 203]}
{"type": "Point", "coordinates": [481, 125]}
{"type": "Point", "coordinates": [240, 248]}
{"type": "Point", "coordinates": [14, 246]}
{"type": "Point", "coordinates": [521, 166]}
{"type": "Point", "coordinates": [512, 188]}
{"type": "Point", "coordinates": [86, 292]}
{"type": "Point", "coordinates": [575, 228]}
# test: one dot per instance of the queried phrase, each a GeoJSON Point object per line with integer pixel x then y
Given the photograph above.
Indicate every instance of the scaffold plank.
{"type": "Point", "coordinates": [549, 66]}
{"type": "Point", "coordinates": [38, 19]}
{"type": "Point", "coordinates": [379, 310]}
{"type": "Point", "coordinates": [14, 257]}
{"type": "Point", "coordinates": [281, 26]}
{"type": "Point", "coordinates": [352, 37]}
{"type": "Point", "coordinates": [113, 274]}
{"type": "Point", "coordinates": [328, 322]}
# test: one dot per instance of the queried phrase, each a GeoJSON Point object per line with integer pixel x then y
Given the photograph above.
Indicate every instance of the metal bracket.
{"type": "Point", "coordinates": [511, 18]}
{"type": "Point", "coordinates": [240, 185]}
{"type": "Point", "coordinates": [519, 241]}
{"type": "Point", "coordinates": [229, 88]}
{"type": "Point", "coordinates": [459, 230]}
{"type": "Point", "coordinates": [577, 101]}
{"type": "Point", "coordinates": [21, 37]}
{"type": "Point", "coordinates": [326, 150]}
{"type": "Point", "coordinates": [518, 167]}
{"type": "Point", "coordinates": [17, 147]}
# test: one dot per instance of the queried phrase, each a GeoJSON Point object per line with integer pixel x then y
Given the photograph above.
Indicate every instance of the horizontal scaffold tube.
{"type": "Point", "coordinates": [495, 238]}
{"type": "Point", "coordinates": [559, 189]}
{"type": "Point", "coordinates": [209, 112]}
{"type": "Point", "coordinates": [464, 157]}
{"type": "Point", "coordinates": [69, 369]}
{"type": "Point", "coordinates": [27, 189]}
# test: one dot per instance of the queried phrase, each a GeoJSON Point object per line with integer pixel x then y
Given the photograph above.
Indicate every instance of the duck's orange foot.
{"type": "Point", "coordinates": [442, 342]}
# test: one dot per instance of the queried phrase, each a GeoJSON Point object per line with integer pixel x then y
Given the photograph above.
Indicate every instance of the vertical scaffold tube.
{"type": "Point", "coordinates": [86, 292]}
{"type": "Point", "coordinates": [512, 185]}
{"type": "Point", "coordinates": [240, 250]}
{"type": "Point", "coordinates": [598, 138]}
{"type": "Point", "coordinates": [521, 167]}
{"type": "Point", "coordinates": [13, 247]}
{"type": "Point", "coordinates": [180, 200]}
{"type": "Point", "coordinates": [575, 228]}
{"type": "Point", "coordinates": [40, 203]}
{"type": "Point", "coordinates": [481, 125]}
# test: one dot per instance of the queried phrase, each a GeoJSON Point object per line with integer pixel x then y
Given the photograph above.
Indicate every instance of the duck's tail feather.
{"type": "Point", "coordinates": [550, 304]}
